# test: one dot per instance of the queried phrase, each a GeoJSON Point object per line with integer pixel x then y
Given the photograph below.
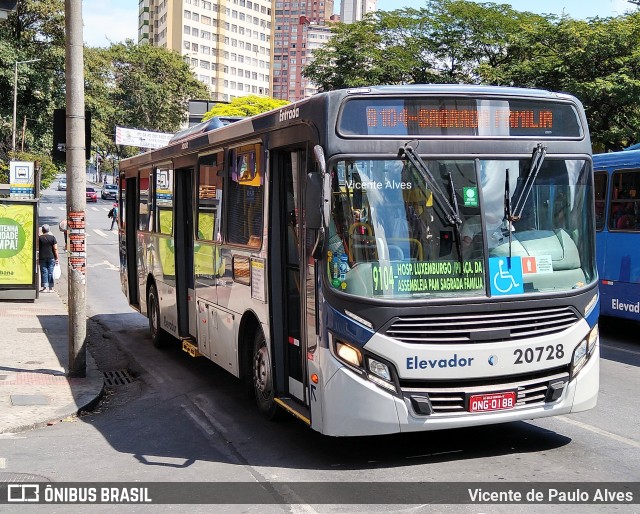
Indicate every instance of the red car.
{"type": "Point", "coordinates": [92, 195]}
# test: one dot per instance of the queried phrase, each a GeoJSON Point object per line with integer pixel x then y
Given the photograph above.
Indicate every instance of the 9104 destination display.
{"type": "Point", "coordinates": [427, 277]}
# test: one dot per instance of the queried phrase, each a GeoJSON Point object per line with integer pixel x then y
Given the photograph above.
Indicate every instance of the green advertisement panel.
{"type": "Point", "coordinates": [165, 245]}
{"type": "Point", "coordinates": [16, 244]}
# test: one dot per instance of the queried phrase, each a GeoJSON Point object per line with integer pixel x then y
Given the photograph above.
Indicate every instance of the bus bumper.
{"type": "Point", "coordinates": [353, 406]}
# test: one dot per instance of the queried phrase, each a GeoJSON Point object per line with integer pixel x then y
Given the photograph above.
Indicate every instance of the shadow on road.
{"type": "Point", "coordinates": [181, 410]}
{"type": "Point", "coordinates": [622, 340]}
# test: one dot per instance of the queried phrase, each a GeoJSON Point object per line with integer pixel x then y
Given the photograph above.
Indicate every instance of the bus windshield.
{"type": "Point", "coordinates": [391, 237]}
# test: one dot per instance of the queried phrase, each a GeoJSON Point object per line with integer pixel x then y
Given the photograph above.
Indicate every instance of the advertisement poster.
{"type": "Point", "coordinates": [16, 244]}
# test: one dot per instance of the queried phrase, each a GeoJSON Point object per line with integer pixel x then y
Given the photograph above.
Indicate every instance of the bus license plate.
{"type": "Point", "coordinates": [492, 401]}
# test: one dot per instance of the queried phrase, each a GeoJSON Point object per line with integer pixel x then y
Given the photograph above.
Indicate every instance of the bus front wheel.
{"type": "Point", "coordinates": [263, 378]}
{"type": "Point", "coordinates": [159, 337]}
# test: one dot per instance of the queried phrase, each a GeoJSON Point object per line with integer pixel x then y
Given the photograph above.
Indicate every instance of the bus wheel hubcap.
{"type": "Point", "coordinates": [262, 372]}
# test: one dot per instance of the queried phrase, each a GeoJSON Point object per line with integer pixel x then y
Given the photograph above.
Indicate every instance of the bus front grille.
{"type": "Point", "coordinates": [448, 398]}
{"type": "Point", "coordinates": [481, 327]}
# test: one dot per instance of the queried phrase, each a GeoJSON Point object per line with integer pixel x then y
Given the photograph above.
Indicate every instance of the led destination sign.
{"type": "Point", "coordinates": [422, 277]}
{"type": "Point", "coordinates": [458, 117]}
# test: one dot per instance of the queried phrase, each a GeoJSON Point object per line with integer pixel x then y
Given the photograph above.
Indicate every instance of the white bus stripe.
{"type": "Point", "coordinates": [599, 431]}
{"type": "Point", "coordinates": [100, 232]}
{"type": "Point", "coordinates": [617, 349]}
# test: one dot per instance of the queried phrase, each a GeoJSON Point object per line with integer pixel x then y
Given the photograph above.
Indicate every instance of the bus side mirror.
{"type": "Point", "coordinates": [314, 217]}
{"type": "Point", "coordinates": [321, 162]}
{"type": "Point", "coordinates": [313, 201]}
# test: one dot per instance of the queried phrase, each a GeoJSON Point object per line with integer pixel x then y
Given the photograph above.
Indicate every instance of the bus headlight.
{"type": "Point", "coordinates": [583, 351]}
{"type": "Point", "coordinates": [379, 369]}
{"type": "Point", "coordinates": [380, 374]}
{"type": "Point", "coordinates": [349, 354]}
{"type": "Point", "coordinates": [376, 371]}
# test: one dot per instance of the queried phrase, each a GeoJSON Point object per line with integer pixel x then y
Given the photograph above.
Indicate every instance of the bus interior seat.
{"type": "Point", "coordinates": [254, 241]}
{"type": "Point", "coordinates": [557, 244]}
{"type": "Point", "coordinates": [395, 253]}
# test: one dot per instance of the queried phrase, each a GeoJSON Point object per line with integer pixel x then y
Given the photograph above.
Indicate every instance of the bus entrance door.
{"type": "Point", "coordinates": [290, 166]}
{"type": "Point", "coordinates": [183, 247]}
{"type": "Point", "coordinates": [130, 222]}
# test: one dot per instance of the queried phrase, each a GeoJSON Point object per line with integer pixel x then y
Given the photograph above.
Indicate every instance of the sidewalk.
{"type": "Point", "coordinates": [34, 388]}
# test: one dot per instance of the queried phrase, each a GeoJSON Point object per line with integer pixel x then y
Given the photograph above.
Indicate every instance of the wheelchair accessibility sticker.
{"type": "Point", "coordinates": [505, 279]}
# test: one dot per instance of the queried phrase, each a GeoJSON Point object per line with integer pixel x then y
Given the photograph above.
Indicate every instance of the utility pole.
{"type": "Point", "coordinates": [76, 189]}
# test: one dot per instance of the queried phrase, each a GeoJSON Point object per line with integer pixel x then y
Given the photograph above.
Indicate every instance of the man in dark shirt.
{"type": "Point", "coordinates": [48, 258]}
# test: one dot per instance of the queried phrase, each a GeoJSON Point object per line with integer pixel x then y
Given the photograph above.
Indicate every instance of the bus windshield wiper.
{"type": "Point", "coordinates": [456, 215]}
{"type": "Point", "coordinates": [508, 214]}
{"type": "Point", "coordinates": [451, 213]}
{"type": "Point", "coordinates": [537, 158]}
{"type": "Point", "coordinates": [450, 209]}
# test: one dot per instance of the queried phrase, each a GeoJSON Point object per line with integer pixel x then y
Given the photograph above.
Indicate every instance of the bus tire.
{"type": "Point", "coordinates": [159, 337]}
{"type": "Point", "coordinates": [262, 375]}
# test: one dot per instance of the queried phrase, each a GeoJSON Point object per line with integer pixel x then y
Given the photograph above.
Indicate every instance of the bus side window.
{"type": "Point", "coordinates": [245, 196]}
{"type": "Point", "coordinates": [600, 181]}
{"type": "Point", "coordinates": [209, 197]}
{"type": "Point", "coordinates": [163, 212]}
{"type": "Point", "coordinates": [143, 205]}
{"type": "Point", "coordinates": [625, 206]}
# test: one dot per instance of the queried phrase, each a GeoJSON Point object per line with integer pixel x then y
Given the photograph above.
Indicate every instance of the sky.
{"type": "Point", "coordinates": [113, 21]}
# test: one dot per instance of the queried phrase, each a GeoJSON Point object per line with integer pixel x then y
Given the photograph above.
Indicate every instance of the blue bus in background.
{"type": "Point", "coordinates": [617, 192]}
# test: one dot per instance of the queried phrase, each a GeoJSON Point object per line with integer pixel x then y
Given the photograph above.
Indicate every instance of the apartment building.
{"type": "Point", "coordinates": [293, 20]}
{"type": "Point", "coordinates": [226, 42]}
{"type": "Point", "coordinates": [354, 10]}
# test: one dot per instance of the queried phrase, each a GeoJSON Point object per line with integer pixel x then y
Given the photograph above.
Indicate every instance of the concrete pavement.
{"type": "Point", "coordinates": [34, 388]}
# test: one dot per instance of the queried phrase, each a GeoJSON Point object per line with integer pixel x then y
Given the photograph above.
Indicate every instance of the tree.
{"type": "Point", "coordinates": [458, 41]}
{"type": "Point", "coordinates": [445, 42]}
{"type": "Point", "coordinates": [130, 85]}
{"type": "Point", "coordinates": [596, 60]}
{"type": "Point", "coordinates": [34, 31]}
{"type": "Point", "coordinates": [249, 105]}
{"type": "Point", "coordinates": [136, 86]}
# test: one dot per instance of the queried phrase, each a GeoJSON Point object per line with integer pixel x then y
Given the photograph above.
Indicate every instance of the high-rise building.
{"type": "Point", "coordinates": [293, 20]}
{"type": "Point", "coordinates": [317, 37]}
{"type": "Point", "coordinates": [226, 42]}
{"type": "Point", "coordinates": [354, 10]}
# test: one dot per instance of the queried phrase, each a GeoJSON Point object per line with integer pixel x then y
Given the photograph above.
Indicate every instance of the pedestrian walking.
{"type": "Point", "coordinates": [63, 226]}
{"type": "Point", "coordinates": [47, 257]}
{"type": "Point", "coordinates": [113, 214]}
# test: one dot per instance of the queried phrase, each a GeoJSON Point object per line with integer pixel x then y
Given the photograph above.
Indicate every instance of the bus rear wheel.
{"type": "Point", "coordinates": [159, 337]}
{"type": "Point", "coordinates": [262, 373]}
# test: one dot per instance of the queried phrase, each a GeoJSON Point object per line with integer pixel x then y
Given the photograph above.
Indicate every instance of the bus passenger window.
{"type": "Point", "coordinates": [245, 196]}
{"type": "Point", "coordinates": [164, 201]}
{"type": "Point", "coordinates": [600, 182]}
{"type": "Point", "coordinates": [625, 203]}
{"type": "Point", "coordinates": [210, 197]}
{"type": "Point", "coordinates": [143, 206]}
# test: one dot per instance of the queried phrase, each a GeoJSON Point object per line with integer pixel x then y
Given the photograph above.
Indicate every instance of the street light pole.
{"type": "Point", "coordinates": [15, 97]}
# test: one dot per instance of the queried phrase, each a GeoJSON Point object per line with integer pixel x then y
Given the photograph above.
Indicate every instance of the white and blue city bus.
{"type": "Point", "coordinates": [379, 260]}
{"type": "Point", "coordinates": [617, 190]}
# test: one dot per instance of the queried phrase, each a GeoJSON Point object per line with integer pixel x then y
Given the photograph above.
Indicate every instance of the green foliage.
{"type": "Point", "coordinates": [596, 60]}
{"type": "Point", "coordinates": [136, 86]}
{"type": "Point", "coordinates": [48, 169]}
{"type": "Point", "coordinates": [249, 105]}
{"type": "Point", "coordinates": [459, 41]}
{"type": "Point", "coordinates": [35, 31]}
{"type": "Point", "coordinates": [446, 41]}
{"type": "Point", "coordinates": [130, 85]}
